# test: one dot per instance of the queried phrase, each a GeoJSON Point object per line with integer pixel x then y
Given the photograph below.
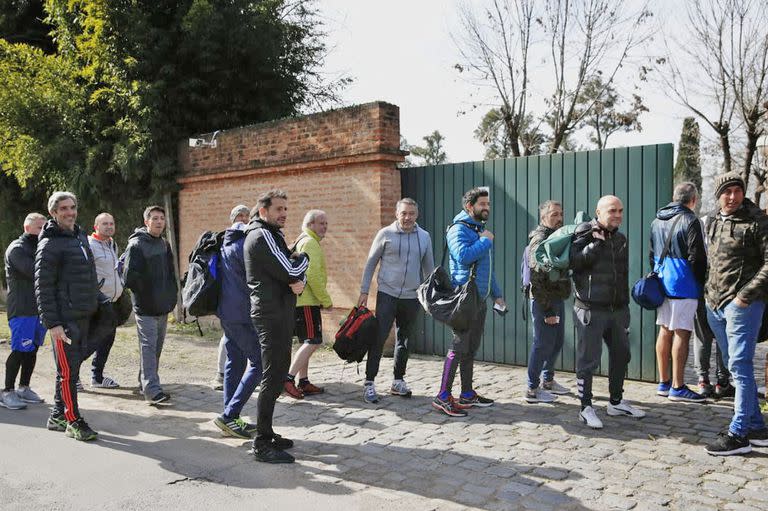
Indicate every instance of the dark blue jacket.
{"type": "Point", "coordinates": [685, 267]}
{"type": "Point", "coordinates": [234, 301]}
{"type": "Point", "coordinates": [466, 248]}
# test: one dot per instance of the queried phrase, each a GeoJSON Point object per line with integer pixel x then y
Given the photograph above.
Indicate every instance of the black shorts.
{"type": "Point", "coordinates": [309, 324]}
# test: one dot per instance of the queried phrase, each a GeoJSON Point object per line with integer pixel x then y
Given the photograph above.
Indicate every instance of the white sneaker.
{"type": "Point", "coordinates": [400, 388]}
{"type": "Point", "coordinates": [590, 418]}
{"type": "Point", "coordinates": [11, 401]}
{"type": "Point", "coordinates": [539, 395]}
{"type": "Point", "coordinates": [28, 395]}
{"type": "Point", "coordinates": [555, 388]}
{"type": "Point", "coordinates": [624, 408]}
{"type": "Point", "coordinates": [369, 394]}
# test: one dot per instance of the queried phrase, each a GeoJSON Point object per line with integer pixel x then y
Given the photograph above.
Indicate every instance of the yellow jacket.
{"type": "Point", "coordinates": [317, 277]}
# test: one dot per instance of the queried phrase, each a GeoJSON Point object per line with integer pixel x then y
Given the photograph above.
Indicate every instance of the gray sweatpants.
{"type": "Point", "coordinates": [151, 331]}
{"type": "Point", "coordinates": [592, 328]}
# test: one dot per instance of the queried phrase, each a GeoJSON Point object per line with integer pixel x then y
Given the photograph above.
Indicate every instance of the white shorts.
{"type": "Point", "coordinates": [677, 313]}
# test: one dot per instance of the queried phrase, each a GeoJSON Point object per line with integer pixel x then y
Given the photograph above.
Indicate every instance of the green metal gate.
{"type": "Point", "coordinates": [640, 176]}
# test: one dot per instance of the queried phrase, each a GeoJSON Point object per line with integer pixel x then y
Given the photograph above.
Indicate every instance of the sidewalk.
{"type": "Point", "coordinates": [400, 454]}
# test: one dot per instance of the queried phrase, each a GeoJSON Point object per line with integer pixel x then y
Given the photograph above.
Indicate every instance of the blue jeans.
{"type": "Point", "coordinates": [547, 343]}
{"type": "Point", "coordinates": [736, 331]}
{"type": "Point", "coordinates": [242, 346]}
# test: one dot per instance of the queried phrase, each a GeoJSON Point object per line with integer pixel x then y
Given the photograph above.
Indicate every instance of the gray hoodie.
{"type": "Point", "coordinates": [406, 260]}
{"type": "Point", "coordinates": [105, 258]}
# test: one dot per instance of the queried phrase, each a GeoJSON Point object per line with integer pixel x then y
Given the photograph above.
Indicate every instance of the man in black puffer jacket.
{"type": "Point", "coordinates": [600, 266]}
{"type": "Point", "coordinates": [275, 275]}
{"type": "Point", "coordinates": [67, 295]}
{"type": "Point", "coordinates": [149, 273]}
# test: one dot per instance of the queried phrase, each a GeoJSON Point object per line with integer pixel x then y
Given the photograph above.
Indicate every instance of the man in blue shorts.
{"type": "Point", "coordinates": [27, 333]}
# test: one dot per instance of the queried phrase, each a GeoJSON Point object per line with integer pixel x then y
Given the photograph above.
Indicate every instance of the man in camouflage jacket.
{"type": "Point", "coordinates": [736, 290]}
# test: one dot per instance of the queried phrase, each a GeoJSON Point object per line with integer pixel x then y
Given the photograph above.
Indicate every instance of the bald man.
{"type": "Point", "coordinates": [105, 256]}
{"type": "Point", "coordinates": [600, 266]}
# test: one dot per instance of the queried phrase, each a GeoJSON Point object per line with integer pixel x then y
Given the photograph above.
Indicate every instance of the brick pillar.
{"type": "Point", "coordinates": [342, 161]}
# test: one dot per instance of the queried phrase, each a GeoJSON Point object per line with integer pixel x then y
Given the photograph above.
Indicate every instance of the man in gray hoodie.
{"type": "Point", "coordinates": [105, 257]}
{"type": "Point", "coordinates": [403, 251]}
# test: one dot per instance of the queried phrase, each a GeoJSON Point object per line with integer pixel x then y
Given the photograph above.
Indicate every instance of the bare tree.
{"type": "Point", "coordinates": [593, 34]}
{"type": "Point", "coordinates": [495, 49]}
{"type": "Point", "coordinates": [582, 38]}
{"type": "Point", "coordinates": [720, 73]}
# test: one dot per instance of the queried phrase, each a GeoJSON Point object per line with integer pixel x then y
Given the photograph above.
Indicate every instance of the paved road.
{"type": "Point", "coordinates": [398, 455]}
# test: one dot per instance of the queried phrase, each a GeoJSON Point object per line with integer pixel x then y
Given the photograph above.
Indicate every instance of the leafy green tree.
{"type": "Point", "coordinates": [492, 133]}
{"type": "Point", "coordinates": [688, 164]}
{"type": "Point", "coordinates": [432, 152]}
{"type": "Point", "coordinates": [23, 21]}
{"type": "Point", "coordinates": [603, 113]}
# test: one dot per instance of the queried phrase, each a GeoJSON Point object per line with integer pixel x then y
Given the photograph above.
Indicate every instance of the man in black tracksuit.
{"type": "Point", "coordinates": [67, 295]}
{"type": "Point", "coordinates": [600, 264]}
{"type": "Point", "coordinates": [275, 276]}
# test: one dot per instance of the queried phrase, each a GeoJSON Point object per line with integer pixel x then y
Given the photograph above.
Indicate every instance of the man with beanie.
{"type": "Point", "coordinates": [403, 253]}
{"type": "Point", "coordinates": [600, 264]}
{"type": "Point", "coordinates": [239, 214]}
{"type": "Point", "coordinates": [736, 290]}
{"type": "Point", "coordinates": [27, 332]}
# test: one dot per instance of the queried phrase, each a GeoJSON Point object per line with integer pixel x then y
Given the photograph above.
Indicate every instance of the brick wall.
{"type": "Point", "coordinates": [342, 162]}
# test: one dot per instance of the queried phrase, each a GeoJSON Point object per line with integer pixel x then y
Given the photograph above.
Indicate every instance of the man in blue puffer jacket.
{"type": "Point", "coordinates": [682, 271]}
{"type": "Point", "coordinates": [241, 341]}
{"type": "Point", "coordinates": [470, 245]}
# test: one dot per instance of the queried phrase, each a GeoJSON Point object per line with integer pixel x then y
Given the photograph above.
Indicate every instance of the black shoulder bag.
{"type": "Point", "coordinates": [454, 306]}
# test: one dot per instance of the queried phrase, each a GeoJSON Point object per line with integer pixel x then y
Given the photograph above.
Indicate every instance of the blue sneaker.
{"type": "Point", "coordinates": [663, 388]}
{"type": "Point", "coordinates": [686, 394]}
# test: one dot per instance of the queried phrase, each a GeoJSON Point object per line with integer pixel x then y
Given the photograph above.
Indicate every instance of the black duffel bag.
{"type": "Point", "coordinates": [455, 306]}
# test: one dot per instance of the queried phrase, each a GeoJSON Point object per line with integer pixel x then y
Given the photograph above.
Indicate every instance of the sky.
{"type": "Point", "coordinates": [403, 52]}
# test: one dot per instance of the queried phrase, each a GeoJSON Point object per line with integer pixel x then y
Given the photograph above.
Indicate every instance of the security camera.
{"type": "Point", "coordinates": [196, 142]}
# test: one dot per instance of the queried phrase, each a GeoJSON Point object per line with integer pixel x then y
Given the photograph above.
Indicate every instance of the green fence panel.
{"type": "Point", "coordinates": [640, 176]}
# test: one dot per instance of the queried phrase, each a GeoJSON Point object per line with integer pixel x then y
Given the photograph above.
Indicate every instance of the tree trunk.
{"type": "Point", "coordinates": [725, 143]}
{"type": "Point", "coordinates": [170, 233]}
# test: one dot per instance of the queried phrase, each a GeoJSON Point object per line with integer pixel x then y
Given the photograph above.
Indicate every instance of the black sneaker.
{"type": "Point", "coordinates": [758, 438]}
{"type": "Point", "coordinates": [80, 430]}
{"type": "Point", "coordinates": [278, 442]}
{"type": "Point", "coordinates": [57, 422]}
{"type": "Point", "coordinates": [476, 400]}
{"type": "Point", "coordinates": [727, 445]}
{"type": "Point", "coordinates": [724, 391]}
{"type": "Point", "coordinates": [270, 454]}
{"type": "Point", "coordinates": [160, 397]}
